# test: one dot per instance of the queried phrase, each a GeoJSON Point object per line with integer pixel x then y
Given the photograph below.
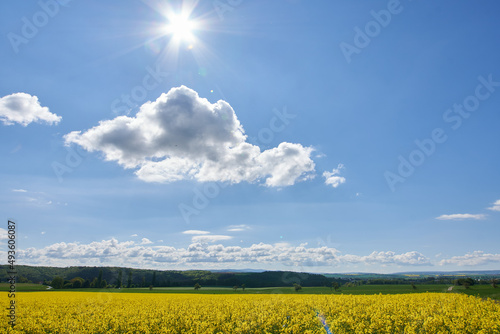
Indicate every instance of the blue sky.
{"type": "Point", "coordinates": [320, 137]}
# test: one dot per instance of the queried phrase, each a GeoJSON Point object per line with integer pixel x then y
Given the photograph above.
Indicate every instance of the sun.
{"type": "Point", "coordinates": [181, 33]}
{"type": "Point", "coordinates": [180, 27]}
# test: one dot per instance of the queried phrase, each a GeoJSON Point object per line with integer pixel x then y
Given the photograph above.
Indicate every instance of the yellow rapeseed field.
{"type": "Point", "coordinates": [87, 312]}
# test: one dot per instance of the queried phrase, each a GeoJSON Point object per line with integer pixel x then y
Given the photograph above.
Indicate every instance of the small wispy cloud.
{"type": "Point", "coordinates": [210, 238]}
{"type": "Point", "coordinates": [195, 232]}
{"type": "Point", "coordinates": [496, 206]}
{"type": "Point", "coordinates": [38, 198]}
{"type": "Point", "coordinates": [134, 235]}
{"type": "Point", "coordinates": [461, 216]}
{"type": "Point", "coordinates": [42, 233]}
{"type": "Point", "coordinates": [332, 178]}
{"type": "Point", "coordinates": [238, 228]}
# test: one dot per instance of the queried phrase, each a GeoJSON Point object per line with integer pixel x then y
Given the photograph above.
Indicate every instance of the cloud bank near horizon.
{"type": "Point", "coordinates": [203, 252]}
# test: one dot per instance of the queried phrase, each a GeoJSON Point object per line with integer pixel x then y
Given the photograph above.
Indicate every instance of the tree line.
{"type": "Point", "coordinates": [117, 277]}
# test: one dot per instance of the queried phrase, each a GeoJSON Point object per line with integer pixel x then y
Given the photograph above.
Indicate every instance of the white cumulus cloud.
{"type": "Point", "coordinates": [496, 206]}
{"type": "Point", "coordinates": [182, 136]}
{"type": "Point", "coordinates": [24, 109]}
{"type": "Point", "coordinates": [461, 216]}
{"type": "Point", "coordinates": [409, 258]}
{"type": "Point", "coordinates": [332, 178]}
{"type": "Point", "coordinates": [146, 241]}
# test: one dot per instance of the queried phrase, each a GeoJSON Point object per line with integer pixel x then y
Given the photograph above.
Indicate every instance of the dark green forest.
{"type": "Point", "coordinates": [116, 277]}
{"type": "Point", "coordinates": [126, 277]}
